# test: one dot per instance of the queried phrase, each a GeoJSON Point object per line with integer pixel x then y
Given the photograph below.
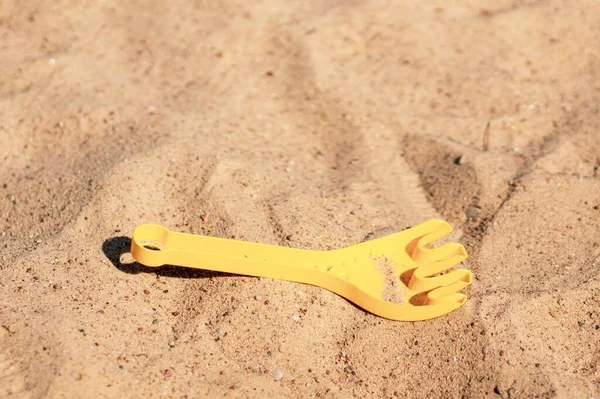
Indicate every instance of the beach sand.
{"type": "Point", "coordinates": [310, 125]}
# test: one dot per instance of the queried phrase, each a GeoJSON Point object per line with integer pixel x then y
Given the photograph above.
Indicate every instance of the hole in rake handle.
{"type": "Point", "coordinates": [152, 247]}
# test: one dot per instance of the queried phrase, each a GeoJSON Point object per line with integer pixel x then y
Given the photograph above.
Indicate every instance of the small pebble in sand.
{"type": "Point", "coordinates": [258, 297]}
{"type": "Point", "coordinates": [172, 344]}
{"type": "Point", "coordinates": [472, 212]}
{"type": "Point", "coordinates": [220, 333]}
{"type": "Point", "coordinates": [278, 374]}
{"type": "Point", "coordinates": [296, 317]}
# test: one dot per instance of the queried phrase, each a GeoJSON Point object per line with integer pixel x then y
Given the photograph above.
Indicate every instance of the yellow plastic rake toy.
{"type": "Point", "coordinates": [396, 277]}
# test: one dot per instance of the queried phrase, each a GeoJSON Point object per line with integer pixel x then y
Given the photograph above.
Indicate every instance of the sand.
{"type": "Point", "coordinates": [311, 125]}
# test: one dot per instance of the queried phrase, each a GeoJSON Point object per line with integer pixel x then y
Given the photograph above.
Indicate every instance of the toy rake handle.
{"type": "Point", "coordinates": [153, 245]}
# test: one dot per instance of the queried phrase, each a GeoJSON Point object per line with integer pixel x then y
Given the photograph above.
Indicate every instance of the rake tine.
{"type": "Point", "coordinates": [448, 293]}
